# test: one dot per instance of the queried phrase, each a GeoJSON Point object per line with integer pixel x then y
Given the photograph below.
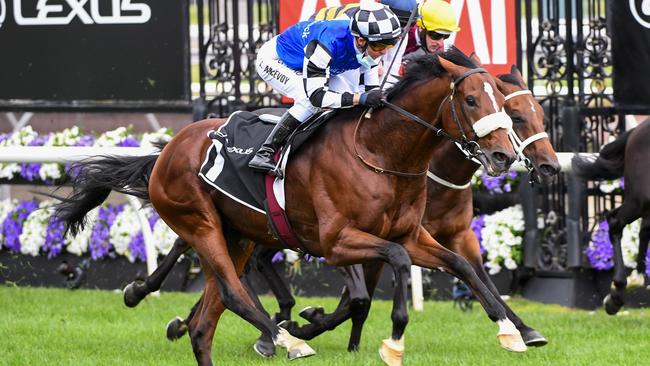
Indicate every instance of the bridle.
{"type": "Point", "coordinates": [481, 128]}
{"type": "Point", "coordinates": [517, 143]}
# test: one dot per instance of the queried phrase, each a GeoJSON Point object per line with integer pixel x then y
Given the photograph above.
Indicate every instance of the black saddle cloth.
{"type": "Point", "coordinates": [234, 144]}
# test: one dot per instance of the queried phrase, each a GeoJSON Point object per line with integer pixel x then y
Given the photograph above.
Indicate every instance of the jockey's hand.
{"type": "Point", "coordinates": [371, 98]}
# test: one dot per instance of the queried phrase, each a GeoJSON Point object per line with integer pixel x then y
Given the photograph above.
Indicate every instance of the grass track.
{"type": "Point", "coordinates": [60, 327]}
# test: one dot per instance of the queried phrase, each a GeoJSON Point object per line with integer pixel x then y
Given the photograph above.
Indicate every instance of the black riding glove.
{"type": "Point", "coordinates": [371, 98]}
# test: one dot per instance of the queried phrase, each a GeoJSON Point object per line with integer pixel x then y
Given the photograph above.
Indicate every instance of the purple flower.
{"type": "Point", "coordinates": [29, 171]}
{"type": "Point", "coordinates": [53, 237]}
{"type": "Point", "coordinates": [477, 225]}
{"type": "Point", "coordinates": [129, 141]}
{"type": "Point", "coordinates": [278, 257]}
{"type": "Point", "coordinates": [12, 226]}
{"type": "Point", "coordinates": [137, 247]}
{"type": "Point", "coordinates": [623, 183]}
{"type": "Point", "coordinates": [600, 253]}
{"type": "Point", "coordinates": [85, 140]}
{"type": "Point", "coordinates": [99, 243]}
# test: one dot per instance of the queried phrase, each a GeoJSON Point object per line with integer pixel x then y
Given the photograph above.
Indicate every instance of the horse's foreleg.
{"type": "Point", "coordinates": [264, 344]}
{"type": "Point", "coordinates": [644, 237]}
{"type": "Point", "coordinates": [138, 290]}
{"type": "Point", "coordinates": [359, 302]}
{"type": "Point", "coordinates": [426, 252]}
{"type": "Point", "coordinates": [466, 244]}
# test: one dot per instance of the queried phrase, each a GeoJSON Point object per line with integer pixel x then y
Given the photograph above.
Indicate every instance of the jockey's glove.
{"type": "Point", "coordinates": [371, 98]}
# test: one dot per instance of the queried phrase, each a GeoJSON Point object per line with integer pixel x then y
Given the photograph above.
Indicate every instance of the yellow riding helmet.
{"type": "Point", "coordinates": [438, 15]}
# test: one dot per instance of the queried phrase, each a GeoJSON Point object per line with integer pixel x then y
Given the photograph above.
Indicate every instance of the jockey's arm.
{"type": "Point", "coordinates": [316, 78]}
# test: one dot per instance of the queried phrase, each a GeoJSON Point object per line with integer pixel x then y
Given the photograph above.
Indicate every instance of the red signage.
{"type": "Point", "coordinates": [487, 27]}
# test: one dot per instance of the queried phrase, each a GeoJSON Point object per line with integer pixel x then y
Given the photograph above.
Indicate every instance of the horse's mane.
{"type": "Point", "coordinates": [511, 79]}
{"type": "Point", "coordinates": [427, 66]}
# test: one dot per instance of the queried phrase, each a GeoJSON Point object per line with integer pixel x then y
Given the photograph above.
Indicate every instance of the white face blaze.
{"type": "Point", "coordinates": [490, 92]}
{"type": "Point", "coordinates": [532, 106]}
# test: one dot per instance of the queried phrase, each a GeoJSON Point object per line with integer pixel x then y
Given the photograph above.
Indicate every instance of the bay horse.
{"type": "Point", "coordinates": [627, 156]}
{"type": "Point", "coordinates": [447, 218]}
{"type": "Point", "coordinates": [348, 216]}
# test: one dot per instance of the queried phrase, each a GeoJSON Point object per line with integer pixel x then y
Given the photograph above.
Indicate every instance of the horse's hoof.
{"type": "Point", "coordinates": [392, 351]}
{"type": "Point", "coordinates": [311, 314]}
{"type": "Point", "coordinates": [265, 349]}
{"type": "Point", "coordinates": [611, 306]}
{"type": "Point", "coordinates": [533, 338]}
{"type": "Point", "coordinates": [176, 328]}
{"type": "Point", "coordinates": [509, 337]}
{"type": "Point", "coordinates": [131, 299]}
{"type": "Point", "coordinates": [635, 280]}
{"type": "Point", "coordinates": [296, 347]}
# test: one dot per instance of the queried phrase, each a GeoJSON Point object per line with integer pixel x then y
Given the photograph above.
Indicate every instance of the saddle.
{"type": "Point", "coordinates": [234, 144]}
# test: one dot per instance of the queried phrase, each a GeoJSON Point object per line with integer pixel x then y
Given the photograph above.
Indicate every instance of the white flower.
{"type": "Point", "coordinates": [630, 243]}
{"type": "Point", "coordinates": [79, 244]}
{"type": "Point", "coordinates": [502, 232]}
{"type": "Point", "coordinates": [112, 138]}
{"type": "Point", "coordinates": [290, 256]}
{"type": "Point", "coordinates": [121, 232]}
{"type": "Point", "coordinates": [34, 229]}
{"type": "Point", "coordinates": [609, 186]}
{"type": "Point", "coordinates": [163, 237]}
{"type": "Point", "coordinates": [23, 137]}
{"type": "Point", "coordinates": [162, 135]}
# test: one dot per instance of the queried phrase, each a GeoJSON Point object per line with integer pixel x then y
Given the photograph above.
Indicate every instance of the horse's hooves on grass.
{"type": "Point", "coordinates": [611, 306]}
{"type": "Point", "coordinates": [391, 352]}
{"type": "Point", "coordinates": [533, 338]}
{"type": "Point", "coordinates": [264, 348]}
{"type": "Point", "coordinates": [300, 352]}
{"type": "Point", "coordinates": [131, 299]}
{"type": "Point", "coordinates": [311, 314]}
{"type": "Point", "coordinates": [512, 342]}
{"type": "Point", "coordinates": [176, 328]}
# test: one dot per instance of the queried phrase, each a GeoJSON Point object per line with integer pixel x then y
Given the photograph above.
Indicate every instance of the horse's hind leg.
{"type": "Point", "coordinates": [617, 220]}
{"type": "Point", "coordinates": [177, 327]}
{"type": "Point", "coordinates": [138, 290]}
{"type": "Point", "coordinates": [264, 344]}
{"type": "Point", "coordinates": [637, 278]}
{"type": "Point", "coordinates": [286, 301]}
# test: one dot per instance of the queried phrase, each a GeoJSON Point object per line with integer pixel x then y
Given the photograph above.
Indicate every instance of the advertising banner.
{"type": "Point", "coordinates": [94, 53]}
{"type": "Point", "coordinates": [488, 27]}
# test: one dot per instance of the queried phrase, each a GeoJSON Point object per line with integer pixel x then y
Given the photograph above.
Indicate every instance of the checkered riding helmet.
{"type": "Point", "coordinates": [375, 22]}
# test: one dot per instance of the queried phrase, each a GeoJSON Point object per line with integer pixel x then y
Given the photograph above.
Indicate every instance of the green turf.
{"type": "Point", "coordinates": [61, 327]}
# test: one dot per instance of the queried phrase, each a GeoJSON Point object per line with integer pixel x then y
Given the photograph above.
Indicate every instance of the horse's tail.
{"type": "Point", "coordinates": [95, 178]}
{"type": "Point", "coordinates": [609, 164]}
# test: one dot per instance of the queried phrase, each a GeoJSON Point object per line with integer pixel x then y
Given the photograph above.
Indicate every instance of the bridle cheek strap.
{"type": "Point", "coordinates": [492, 122]}
{"type": "Point", "coordinates": [521, 145]}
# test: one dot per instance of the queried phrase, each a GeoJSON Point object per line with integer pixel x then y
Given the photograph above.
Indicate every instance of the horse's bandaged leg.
{"type": "Point", "coordinates": [392, 351]}
{"type": "Point", "coordinates": [509, 336]}
{"type": "Point", "coordinates": [296, 347]}
{"type": "Point", "coordinates": [635, 280]}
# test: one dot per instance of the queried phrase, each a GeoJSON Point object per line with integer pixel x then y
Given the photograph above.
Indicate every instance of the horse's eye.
{"type": "Point", "coordinates": [470, 101]}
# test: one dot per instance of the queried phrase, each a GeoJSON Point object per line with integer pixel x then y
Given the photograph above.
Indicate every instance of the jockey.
{"type": "Point", "coordinates": [301, 62]}
{"type": "Point", "coordinates": [436, 23]}
{"type": "Point", "coordinates": [401, 8]}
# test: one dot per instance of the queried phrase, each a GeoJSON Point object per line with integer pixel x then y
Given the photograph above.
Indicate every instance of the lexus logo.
{"type": "Point", "coordinates": [641, 11]}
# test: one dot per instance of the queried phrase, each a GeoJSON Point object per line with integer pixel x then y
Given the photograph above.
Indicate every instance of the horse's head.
{"type": "Point", "coordinates": [529, 138]}
{"type": "Point", "coordinates": [473, 114]}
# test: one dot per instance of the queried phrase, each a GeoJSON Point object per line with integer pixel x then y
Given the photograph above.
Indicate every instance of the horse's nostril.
{"type": "Point", "coordinates": [499, 157]}
{"type": "Point", "coordinates": [548, 170]}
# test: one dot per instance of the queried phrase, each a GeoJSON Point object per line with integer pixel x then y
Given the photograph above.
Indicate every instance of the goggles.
{"type": "Point", "coordinates": [437, 36]}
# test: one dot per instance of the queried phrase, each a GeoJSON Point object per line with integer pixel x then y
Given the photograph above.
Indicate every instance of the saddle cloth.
{"type": "Point", "coordinates": [234, 144]}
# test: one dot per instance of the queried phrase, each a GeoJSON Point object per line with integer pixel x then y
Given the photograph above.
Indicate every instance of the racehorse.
{"type": "Point", "coordinates": [347, 216]}
{"type": "Point", "coordinates": [447, 218]}
{"type": "Point", "coordinates": [627, 157]}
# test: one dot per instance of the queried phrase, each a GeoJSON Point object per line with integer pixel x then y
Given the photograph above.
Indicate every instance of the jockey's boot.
{"type": "Point", "coordinates": [263, 159]}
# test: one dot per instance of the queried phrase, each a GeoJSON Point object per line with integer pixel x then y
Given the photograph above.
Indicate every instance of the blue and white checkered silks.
{"type": "Point", "coordinates": [375, 22]}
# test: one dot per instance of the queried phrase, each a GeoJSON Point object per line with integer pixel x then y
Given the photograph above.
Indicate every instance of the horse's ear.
{"type": "Point", "coordinates": [514, 70]}
{"type": "Point", "coordinates": [474, 57]}
{"type": "Point", "coordinates": [449, 66]}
